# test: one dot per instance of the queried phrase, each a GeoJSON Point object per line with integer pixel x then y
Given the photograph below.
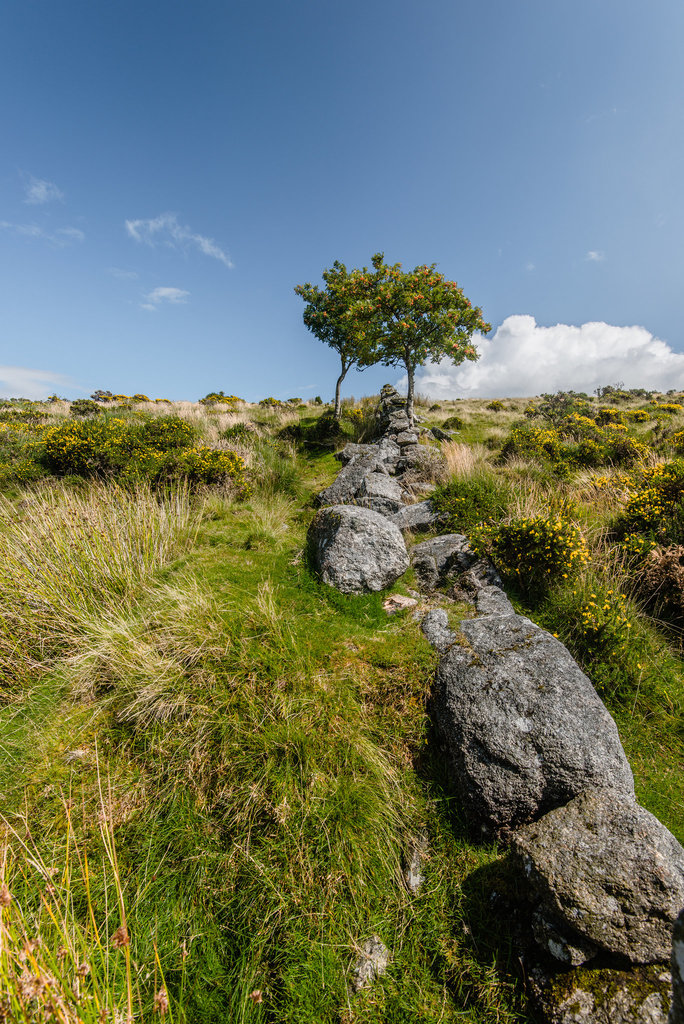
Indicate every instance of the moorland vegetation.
{"type": "Point", "coordinates": [214, 766]}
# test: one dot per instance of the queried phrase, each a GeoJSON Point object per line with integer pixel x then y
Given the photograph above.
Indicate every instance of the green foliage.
{"type": "Point", "coordinates": [84, 407]}
{"type": "Point", "coordinates": [655, 509]}
{"type": "Point", "coordinates": [465, 502]}
{"type": "Point", "coordinates": [581, 445]}
{"type": "Point", "coordinates": [533, 552]}
{"type": "Point", "coordinates": [559, 406]}
{"type": "Point", "coordinates": [218, 398]}
{"type": "Point", "coordinates": [453, 423]}
{"type": "Point", "coordinates": [608, 415]}
{"type": "Point", "coordinates": [271, 403]}
{"type": "Point", "coordinates": [496, 405]}
{"type": "Point", "coordinates": [159, 449]}
{"type": "Point", "coordinates": [637, 415]}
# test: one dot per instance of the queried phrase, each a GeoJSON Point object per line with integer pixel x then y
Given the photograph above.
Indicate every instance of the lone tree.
{"type": "Point", "coordinates": [343, 316]}
{"type": "Point", "coordinates": [419, 315]}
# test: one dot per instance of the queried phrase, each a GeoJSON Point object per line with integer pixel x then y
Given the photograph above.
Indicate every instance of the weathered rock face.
{"type": "Point", "coordinates": [524, 727]}
{"type": "Point", "coordinates": [606, 996]}
{"type": "Point", "coordinates": [677, 1008]}
{"type": "Point", "coordinates": [380, 492]}
{"type": "Point", "coordinates": [349, 480]}
{"type": "Point", "coordinates": [356, 549]}
{"type": "Point", "coordinates": [419, 516]}
{"type": "Point", "coordinates": [433, 559]}
{"type": "Point", "coordinates": [605, 872]}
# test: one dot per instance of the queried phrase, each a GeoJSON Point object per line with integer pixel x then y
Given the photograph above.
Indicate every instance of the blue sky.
{"type": "Point", "coordinates": [169, 171]}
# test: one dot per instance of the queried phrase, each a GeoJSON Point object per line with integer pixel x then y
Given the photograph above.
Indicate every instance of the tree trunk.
{"type": "Point", "coordinates": [409, 393]}
{"type": "Point", "coordinates": [338, 399]}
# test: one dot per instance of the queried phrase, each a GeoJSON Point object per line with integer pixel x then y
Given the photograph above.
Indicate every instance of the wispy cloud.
{"type": "Point", "coordinates": [20, 382]}
{"type": "Point", "coordinates": [595, 256]}
{"type": "Point", "coordinates": [39, 191]}
{"type": "Point", "coordinates": [166, 230]}
{"type": "Point", "coordinates": [522, 358]}
{"type": "Point", "coordinates": [123, 275]}
{"type": "Point", "coordinates": [159, 296]}
{"type": "Point", "coordinates": [59, 237]}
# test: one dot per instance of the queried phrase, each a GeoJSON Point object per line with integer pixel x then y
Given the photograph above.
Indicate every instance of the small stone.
{"type": "Point", "coordinates": [398, 603]}
{"type": "Point", "coordinates": [372, 963]}
{"type": "Point", "coordinates": [437, 631]}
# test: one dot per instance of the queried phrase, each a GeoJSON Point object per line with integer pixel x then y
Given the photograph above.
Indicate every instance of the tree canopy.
{"type": "Point", "coordinates": [419, 316]}
{"type": "Point", "coordinates": [341, 315]}
{"type": "Point", "coordinates": [391, 316]}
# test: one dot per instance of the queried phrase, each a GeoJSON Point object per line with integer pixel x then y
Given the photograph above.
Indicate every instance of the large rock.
{"type": "Point", "coordinates": [603, 996]}
{"type": "Point", "coordinates": [525, 729]}
{"type": "Point", "coordinates": [605, 872]}
{"type": "Point", "coordinates": [349, 480]}
{"type": "Point", "coordinates": [356, 549]}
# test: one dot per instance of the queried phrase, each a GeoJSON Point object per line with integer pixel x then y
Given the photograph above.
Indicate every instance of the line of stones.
{"type": "Point", "coordinates": [535, 755]}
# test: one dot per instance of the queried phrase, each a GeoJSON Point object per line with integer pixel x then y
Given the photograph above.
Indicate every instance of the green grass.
{"type": "Point", "coordinates": [208, 745]}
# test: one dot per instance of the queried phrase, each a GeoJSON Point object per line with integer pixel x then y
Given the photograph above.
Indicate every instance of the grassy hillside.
{"type": "Point", "coordinates": [216, 769]}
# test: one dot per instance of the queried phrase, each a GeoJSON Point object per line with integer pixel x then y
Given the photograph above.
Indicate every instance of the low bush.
{"type": "Point", "coordinates": [85, 407]}
{"type": "Point", "coordinates": [534, 552]}
{"type": "Point", "coordinates": [453, 423]}
{"type": "Point", "coordinates": [466, 501]}
{"type": "Point", "coordinates": [655, 509]}
{"type": "Point", "coordinates": [496, 405]}
{"type": "Point", "coordinates": [160, 450]}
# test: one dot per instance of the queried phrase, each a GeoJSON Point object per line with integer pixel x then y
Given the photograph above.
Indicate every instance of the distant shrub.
{"type": "Point", "coordinates": [164, 433]}
{"type": "Point", "coordinates": [102, 396]}
{"type": "Point", "coordinates": [84, 407]}
{"type": "Point", "coordinates": [159, 450]}
{"type": "Point", "coordinates": [435, 407]}
{"type": "Point", "coordinates": [637, 415]}
{"type": "Point", "coordinates": [271, 403]}
{"type": "Point", "coordinates": [318, 400]}
{"type": "Point", "coordinates": [576, 443]}
{"type": "Point", "coordinates": [667, 408]}
{"type": "Point", "coordinates": [140, 398]}
{"type": "Point", "coordinates": [464, 502]}
{"type": "Point", "coordinates": [533, 553]}
{"type": "Point", "coordinates": [606, 414]}
{"type": "Point", "coordinates": [238, 432]}
{"type": "Point", "coordinates": [496, 405]}
{"type": "Point", "coordinates": [218, 398]}
{"type": "Point", "coordinates": [453, 423]}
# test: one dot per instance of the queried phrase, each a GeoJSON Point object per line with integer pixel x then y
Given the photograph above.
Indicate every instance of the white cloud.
{"type": "Point", "coordinates": [595, 256]}
{"type": "Point", "coordinates": [60, 237]}
{"type": "Point", "coordinates": [39, 191]}
{"type": "Point", "coordinates": [157, 296]}
{"type": "Point", "coordinates": [165, 229]}
{"type": "Point", "coordinates": [20, 382]}
{"type": "Point", "coordinates": [522, 358]}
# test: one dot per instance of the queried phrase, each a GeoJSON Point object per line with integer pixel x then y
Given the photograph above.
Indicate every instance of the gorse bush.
{"type": "Point", "coordinates": [655, 509]}
{"type": "Point", "coordinates": [580, 444]}
{"type": "Point", "coordinates": [85, 407]}
{"type": "Point", "coordinates": [533, 553]}
{"type": "Point", "coordinates": [159, 450]}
